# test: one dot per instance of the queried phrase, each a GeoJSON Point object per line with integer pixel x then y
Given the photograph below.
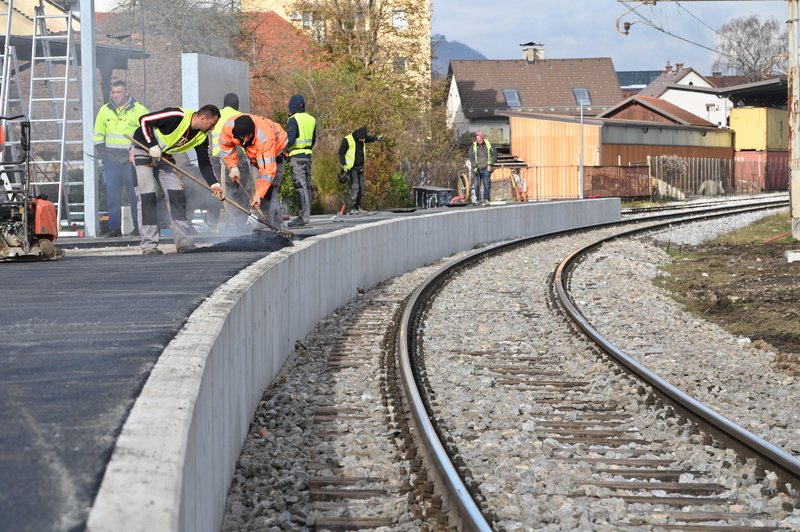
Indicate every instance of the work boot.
{"type": "Point", "coordinates": [297, 222]}
{"type": "Point", "coordinates": [152, 251]}
{"type": "Point", "coordinates": [187, 248]}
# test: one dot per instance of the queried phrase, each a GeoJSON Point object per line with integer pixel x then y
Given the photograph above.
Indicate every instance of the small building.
{"type": "Point", "coordinates": [480, 89]}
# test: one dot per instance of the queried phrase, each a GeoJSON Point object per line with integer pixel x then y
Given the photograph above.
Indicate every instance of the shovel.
{"type": "Point", "coordinates": [248, 212]}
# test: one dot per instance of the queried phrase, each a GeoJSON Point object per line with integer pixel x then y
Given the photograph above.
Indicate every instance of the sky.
{"type": "Point", "coordinates": [587, 28]}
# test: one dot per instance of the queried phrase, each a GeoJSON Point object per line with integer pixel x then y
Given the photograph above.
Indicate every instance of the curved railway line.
{"type": "Point", "coordinates": [488, 407]}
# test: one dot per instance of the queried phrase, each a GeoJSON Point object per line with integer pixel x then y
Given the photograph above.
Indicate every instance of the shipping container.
{"type": "Point", "coordinates": [760, 129]}
{"type": "Point", "coordinates": [761, 171]}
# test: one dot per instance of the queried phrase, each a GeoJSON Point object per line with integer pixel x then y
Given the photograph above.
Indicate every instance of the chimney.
{"type": "Point", "coordinates": [668, 69]}
{"type": "Point", "coordinates": [532, 52]}
{"type": "Point", "coordinates": [678, 67]}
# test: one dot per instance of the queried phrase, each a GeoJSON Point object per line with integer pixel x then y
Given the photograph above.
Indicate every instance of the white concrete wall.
{"type": "Point", "coordinates": [696, 103]}
{"type": "Point", "coordinates": [175, 457]}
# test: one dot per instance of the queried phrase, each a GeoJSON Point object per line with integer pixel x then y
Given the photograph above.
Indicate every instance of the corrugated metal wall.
{"type": "Point", "coordinates": [550, 142]}
{"type": "Point", "coordinates": [614, 154]}
{"type": "Point", "coordinates": [760, 129]}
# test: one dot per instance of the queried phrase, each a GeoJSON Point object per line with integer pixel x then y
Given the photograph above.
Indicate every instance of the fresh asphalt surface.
{"type": "Point", "coordinates": [79, 338]}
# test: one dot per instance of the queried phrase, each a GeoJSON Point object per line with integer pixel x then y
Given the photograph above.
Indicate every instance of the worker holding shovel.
{"type": "Point", "coordinates": [161, 134]}
{"type": "Point", "coordinates": [264, 143]}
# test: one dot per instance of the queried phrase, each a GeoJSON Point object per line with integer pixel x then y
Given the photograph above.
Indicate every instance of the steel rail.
{"type": "Point", "coordinates": [785, 465]}
{"type": "Point", "coordinates": [468, 515]}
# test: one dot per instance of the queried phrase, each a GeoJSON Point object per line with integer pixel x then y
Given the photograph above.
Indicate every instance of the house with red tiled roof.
{"type": "Point", "coordinates": [649, 109]}
{"type": "Point", "coordinates": [479, 89]}
{"type": "Point", "coordinates": [691, 91]}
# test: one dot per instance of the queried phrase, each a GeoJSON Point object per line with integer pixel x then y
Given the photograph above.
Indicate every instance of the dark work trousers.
{"type": "Point", "coordinates": [116, 175]}
{"type": "Point", "coordinates": [482, 176]}
{"type": "Point", "coordinates": [176, 201]}
{"type": "Point", "coordinates": [271, 203]}
{"type": "Point", "coordinates": [236, 218]}
{"type": "Point", "coordinates": [301, 175]}
{"type": "Point", "coordinates": [356, 187]}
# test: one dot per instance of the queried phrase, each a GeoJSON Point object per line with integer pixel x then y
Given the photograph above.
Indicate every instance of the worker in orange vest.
{"type": "Point", "coordinates": [264, 143]}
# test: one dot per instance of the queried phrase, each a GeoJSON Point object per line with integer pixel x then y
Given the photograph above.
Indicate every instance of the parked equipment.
{"type": "Point", "coordinates": [28, 223]}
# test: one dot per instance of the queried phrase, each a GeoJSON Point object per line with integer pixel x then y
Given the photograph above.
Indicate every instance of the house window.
{"type": "Point", "coordinates": [295, 17]}
{"type": "Point", "coordinates": [582, 95]}
{"type": "Point", "coordinates": [399, 19]}
{"type": "Point", "coordinates": [512, 98]}
{"type": "Point", "coordinates": [400, 65]}
{"type": "Point", "coordinates": [308, 20]}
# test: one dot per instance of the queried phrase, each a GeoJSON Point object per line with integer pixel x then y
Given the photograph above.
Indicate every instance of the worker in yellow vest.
{"type": "Point", "coordinates": [236, 219]}
{"type": "Point", "coordinates": [352, 159]}
{"type": "Point", "coordinates": [301, 132]}
{"type": "Point", "coordinates": [115, 119]}
{"type": "Point", "coordinates": [164, 133]}
{"type": "Point", "coordinates": [482, 157]}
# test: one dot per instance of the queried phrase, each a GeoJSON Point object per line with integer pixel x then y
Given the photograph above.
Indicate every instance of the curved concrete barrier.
{"type": "Point", "coordinates": [175, 456]}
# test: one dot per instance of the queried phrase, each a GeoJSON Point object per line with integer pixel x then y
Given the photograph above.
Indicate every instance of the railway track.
{"type": "Point", "coordinates": [539, 428]}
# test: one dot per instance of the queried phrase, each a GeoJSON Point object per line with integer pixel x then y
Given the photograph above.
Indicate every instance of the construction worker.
{"type": "Point", "coordinates": [351, 157]}
{"type": "Point", "coordinates": [164, 133]}
{"type": "Point", "coordinates": [301, 132]}
{"type": "Point", "coordinates": [236, 218]}
{"type": "Point", "coordinates": [482, 157]}
{"type": "Point", "coordinates": [264, 144]}
{"type": "Point", "coordinates": [115, 119]}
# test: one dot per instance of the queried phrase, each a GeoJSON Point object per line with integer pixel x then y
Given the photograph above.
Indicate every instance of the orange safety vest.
{"type": "Point", "coordinates": [268, 143]}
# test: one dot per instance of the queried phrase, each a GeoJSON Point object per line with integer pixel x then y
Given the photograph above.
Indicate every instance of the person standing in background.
{"type": "Point", "coordinates": [114, 120]}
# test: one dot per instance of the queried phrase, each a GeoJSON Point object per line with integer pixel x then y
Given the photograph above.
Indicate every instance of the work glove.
{"type": "Point", "coordinates": [234, 174]}
{"type": "Point", "coordinates": [216, 190]}
{"type": "Point", "coordinates": [155, 153]}
{"type": "Point", "coordinates": [380, 137]}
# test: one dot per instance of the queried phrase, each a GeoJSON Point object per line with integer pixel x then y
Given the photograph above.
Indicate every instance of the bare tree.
{"type": "Point", "coordinates": [748, 46]}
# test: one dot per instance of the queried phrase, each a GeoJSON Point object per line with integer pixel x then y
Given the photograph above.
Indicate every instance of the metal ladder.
{"type": "Point", "coordinates": [10, 89]}
{"type": "Point", "coordinates": [55, 115]}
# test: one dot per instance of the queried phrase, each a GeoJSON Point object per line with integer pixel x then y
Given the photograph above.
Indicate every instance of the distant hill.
{"type": "Point", "coordinates": [445, 51]}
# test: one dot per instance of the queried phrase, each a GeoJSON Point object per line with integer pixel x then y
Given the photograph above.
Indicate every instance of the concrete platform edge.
{"type": "Point", "coordinates": [175, 456]}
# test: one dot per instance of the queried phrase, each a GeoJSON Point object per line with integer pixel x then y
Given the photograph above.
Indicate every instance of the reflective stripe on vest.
{"type": "Point", "coordinates": [350, 156]}
{"type": "Point", "coordinates": [175, 142]}
{"type": "Point", "coordinates": [305, 134]}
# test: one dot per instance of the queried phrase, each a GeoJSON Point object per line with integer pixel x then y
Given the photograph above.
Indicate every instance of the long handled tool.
{"type": "Point", "coordinates": [248, 212]}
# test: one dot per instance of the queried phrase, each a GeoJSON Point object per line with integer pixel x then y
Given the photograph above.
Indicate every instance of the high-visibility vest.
{"type": "Point", "coordinates": [110, 126]}
{"type": "Point", "coordinates": [174, 142]}
{"type": "Point", "coordinates": [350, 156]}
{"type": "Point", "coordinates": [305, 134]}
{"type": "Point", "coordinates": [488, 152]}
{"type": "Point", "coordinates": [225, 113]}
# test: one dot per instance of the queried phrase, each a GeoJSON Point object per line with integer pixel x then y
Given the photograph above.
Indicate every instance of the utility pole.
{"type": "Point", "coordinates": [794, 111]}
{"type": "Point", "coordinates": [88, 64]}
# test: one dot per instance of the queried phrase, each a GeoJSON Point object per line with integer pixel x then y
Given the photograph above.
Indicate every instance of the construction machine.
{"type": "Point", "coordinates": [28, 222]}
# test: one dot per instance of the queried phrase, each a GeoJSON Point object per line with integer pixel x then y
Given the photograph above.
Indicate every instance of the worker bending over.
{"type": "Point", "coordinates": [166, 132]}
{"type": "Point", "coordinates": [264, 144]}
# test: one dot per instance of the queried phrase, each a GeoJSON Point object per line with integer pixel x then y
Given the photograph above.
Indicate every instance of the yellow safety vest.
{"type": "Point", "coordinates": [225, 114]}
{"type": "Point", "coordinates": [174, 142]}
{"type": "Point", "coordinates": [350, 156]}
{"type": "Point", "coordinates": [110, 127]}
{"type": "Point", "coordinates": [305, 134]}
{"type": "Point", "coordinates": [489, 161]}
